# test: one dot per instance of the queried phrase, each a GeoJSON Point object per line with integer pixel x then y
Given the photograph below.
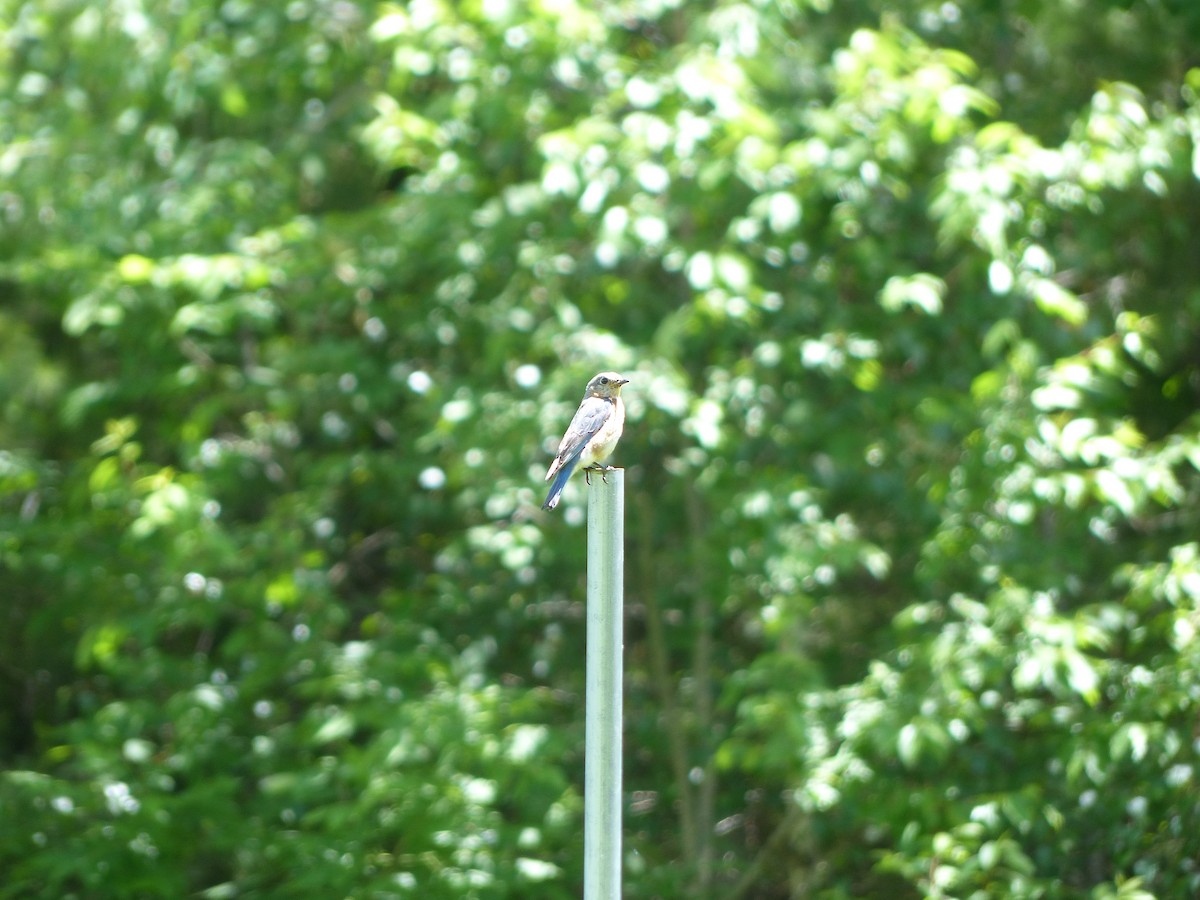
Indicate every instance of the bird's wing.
{"type": "Point", "coordinates": [593, 412]}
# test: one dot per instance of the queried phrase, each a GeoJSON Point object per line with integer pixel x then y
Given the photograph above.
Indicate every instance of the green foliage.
{"type": "Point", "coordinates": [295, 298]}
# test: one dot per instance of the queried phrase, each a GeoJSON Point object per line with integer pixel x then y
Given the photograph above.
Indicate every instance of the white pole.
{"type": "Point", "coordinates": [603, 711]}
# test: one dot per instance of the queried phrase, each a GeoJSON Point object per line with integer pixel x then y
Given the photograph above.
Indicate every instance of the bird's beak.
{"type": "Point", "coordinates": [622, 381]}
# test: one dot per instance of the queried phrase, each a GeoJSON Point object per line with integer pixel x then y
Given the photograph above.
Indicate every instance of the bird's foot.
{"type": "Point", "coordinates": [596, 467]}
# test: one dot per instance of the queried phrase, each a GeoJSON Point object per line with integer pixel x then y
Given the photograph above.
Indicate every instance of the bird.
{"type": "Point", "coordinates": [592, 434]}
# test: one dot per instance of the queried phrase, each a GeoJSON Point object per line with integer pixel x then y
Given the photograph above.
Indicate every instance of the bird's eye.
{"type": "Point", "coordinates": [604, 381]}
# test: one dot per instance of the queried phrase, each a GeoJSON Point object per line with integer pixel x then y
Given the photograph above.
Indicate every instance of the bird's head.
{"type": "Point", "coordinates": [606, 385]}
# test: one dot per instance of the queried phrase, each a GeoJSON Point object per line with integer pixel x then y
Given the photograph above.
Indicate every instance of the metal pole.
{"type": "Point", "coordinates": [605, 621]}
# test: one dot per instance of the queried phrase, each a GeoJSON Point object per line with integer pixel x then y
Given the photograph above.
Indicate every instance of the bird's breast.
{"type": "Point", "coordinates": [601, 446]}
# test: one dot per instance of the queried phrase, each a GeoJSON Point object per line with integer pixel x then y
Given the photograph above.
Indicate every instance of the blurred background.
{"type": "Point", "coordinates": [296, 299]}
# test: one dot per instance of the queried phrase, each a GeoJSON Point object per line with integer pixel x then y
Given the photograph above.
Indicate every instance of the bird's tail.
{"type": "Point", "coordinates": [560, 482]}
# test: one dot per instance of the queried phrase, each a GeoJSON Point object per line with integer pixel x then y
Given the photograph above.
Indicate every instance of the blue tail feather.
{"type": "Point", "coordinates": [560, 482]}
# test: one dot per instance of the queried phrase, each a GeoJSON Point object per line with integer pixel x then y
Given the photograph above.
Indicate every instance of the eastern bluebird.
{"type": "Point", "coordinates": [592, 434]}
